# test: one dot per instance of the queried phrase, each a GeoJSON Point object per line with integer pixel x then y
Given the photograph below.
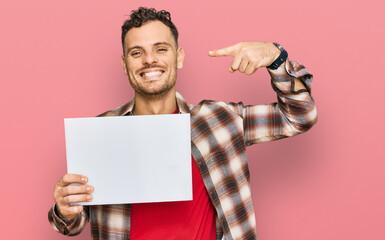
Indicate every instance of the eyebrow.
{"type": "Point", "coordinates": [155, 44]}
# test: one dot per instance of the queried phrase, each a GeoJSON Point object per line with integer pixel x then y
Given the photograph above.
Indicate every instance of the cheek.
{"type": "Point", "coordinates": [133, 65]}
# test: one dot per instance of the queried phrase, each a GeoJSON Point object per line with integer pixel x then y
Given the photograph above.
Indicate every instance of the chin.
{"type": "Point", "coordinates": [151, 88]}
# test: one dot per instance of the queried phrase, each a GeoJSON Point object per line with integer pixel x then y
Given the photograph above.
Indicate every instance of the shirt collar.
{"type": "Point", "coordinates": [183, 106]}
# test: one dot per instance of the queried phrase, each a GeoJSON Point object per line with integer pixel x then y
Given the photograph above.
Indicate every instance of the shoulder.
{"type": "Point", "coordinates": [210, 107]}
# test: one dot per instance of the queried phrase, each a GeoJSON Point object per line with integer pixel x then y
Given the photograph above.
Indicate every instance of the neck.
{"type": "Point", "coordinates": [152, 105]}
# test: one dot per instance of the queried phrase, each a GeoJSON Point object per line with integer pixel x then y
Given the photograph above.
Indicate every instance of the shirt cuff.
{"type": "Point", "coordinates": [60, 224]}
{"type": "Point", "coordinates": [283, 77]}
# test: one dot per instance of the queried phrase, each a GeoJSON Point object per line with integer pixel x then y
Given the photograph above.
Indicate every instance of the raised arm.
{"type": "Point", "coordinates": [293, 113]}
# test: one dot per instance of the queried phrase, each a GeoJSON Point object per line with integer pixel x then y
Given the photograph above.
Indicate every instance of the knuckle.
{"type": "Point", "coordinates": [66, 190]}
{"type": "Point", "coordinates": [58, 183]}
{"type": "Point", "coordinates": [67, 199]}
{"type": "Point", "coordinates": [65, 178]}
{"type": "Point", "coordinates": [61, 204]}
{"type": "Point", "coordinates": [244, 50]}
{"type": "Point", "coordinates": [55, 189]}
{"type": "Point", "coordinates": [56, 195]}
{"type": "Point", "coordinates": [57, 192]}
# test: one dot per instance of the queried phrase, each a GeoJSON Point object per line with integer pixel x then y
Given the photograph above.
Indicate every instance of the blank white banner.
{"type": "Point", "coordinates": [132, 159]}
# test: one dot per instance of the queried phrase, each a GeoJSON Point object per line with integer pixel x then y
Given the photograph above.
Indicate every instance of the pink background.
{"type": "Point", "coordinates": [62, 59]}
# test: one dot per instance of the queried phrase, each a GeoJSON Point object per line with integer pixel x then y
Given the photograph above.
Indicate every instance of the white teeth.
{"type": "Point", "coordinates": [151, 74]}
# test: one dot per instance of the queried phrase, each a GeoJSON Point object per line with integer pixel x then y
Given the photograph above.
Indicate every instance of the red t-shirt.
{"type": "Point", "coordinates": [176, 220]}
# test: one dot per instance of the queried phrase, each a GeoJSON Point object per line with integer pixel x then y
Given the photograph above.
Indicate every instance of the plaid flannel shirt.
{"type": "Point", "coordinates": [220, 133]}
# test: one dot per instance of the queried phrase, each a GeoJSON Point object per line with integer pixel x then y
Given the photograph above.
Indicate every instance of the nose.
{"type": "Point", "coordinates": [150, 58]}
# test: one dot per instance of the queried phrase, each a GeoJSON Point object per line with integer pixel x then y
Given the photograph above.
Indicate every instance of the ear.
{"type": "Point", "coordinates": [180, 57]}
{"type": "Point", "coordinates": [124, 65]}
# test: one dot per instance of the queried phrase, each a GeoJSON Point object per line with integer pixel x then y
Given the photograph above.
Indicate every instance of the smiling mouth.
{"type": "Point", "coordinates": [153, 75]}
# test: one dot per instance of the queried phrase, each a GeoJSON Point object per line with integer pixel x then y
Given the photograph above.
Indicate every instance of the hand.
{"type": "Point", "coordinates": [64, 194]}
{"type": "Point", "coordinates": [249, 56]}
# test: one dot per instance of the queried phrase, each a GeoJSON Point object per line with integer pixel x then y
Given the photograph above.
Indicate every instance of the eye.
{"type": "Point", "coordinates": [135, 53]}
{"type": "Point", "coordinates": [161, 50]}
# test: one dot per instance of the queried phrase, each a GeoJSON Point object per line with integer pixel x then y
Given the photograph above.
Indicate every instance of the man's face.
{"type": "Point", "coordinates": [151, 58]}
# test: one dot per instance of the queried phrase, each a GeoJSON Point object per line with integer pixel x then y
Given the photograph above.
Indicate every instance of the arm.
{"type": "Point", "coordinates": [65, 218]}
{"type": "Point", "coordinates": [293, 113]}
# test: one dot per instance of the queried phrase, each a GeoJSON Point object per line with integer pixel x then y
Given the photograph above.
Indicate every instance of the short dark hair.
{"type": "Point", "coordinates": [142, 15]}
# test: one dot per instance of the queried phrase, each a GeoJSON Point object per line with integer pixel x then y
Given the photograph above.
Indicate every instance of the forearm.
{"type": "Point", "coordinates": [292, 114]}
{"type": "Point", "coordinates": [292, 82]}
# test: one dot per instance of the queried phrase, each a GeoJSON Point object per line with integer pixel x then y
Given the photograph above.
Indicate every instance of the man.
{"type": "Point", "coordinates": [222, 205]}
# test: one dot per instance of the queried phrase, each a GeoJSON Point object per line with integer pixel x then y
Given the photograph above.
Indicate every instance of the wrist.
{"type": "Point", "coordinates": [57, 212]}
{"type": "Point", "coordinates": [275, 52]}
{"type": "Point", "coordinates": [281, 58]}
{"type": "Point", "coordinates": [61, 216]}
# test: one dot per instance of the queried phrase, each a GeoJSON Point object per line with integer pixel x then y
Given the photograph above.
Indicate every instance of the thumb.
{"type": "Point", "coordinates": [227, 51]}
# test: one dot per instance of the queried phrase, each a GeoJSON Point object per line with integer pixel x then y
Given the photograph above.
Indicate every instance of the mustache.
{"type": "Point", "coordinates": [150, 66]}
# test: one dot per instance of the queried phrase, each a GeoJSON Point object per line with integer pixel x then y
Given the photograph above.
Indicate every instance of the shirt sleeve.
{"type": "Point", "coordinates": [292, 114]}
{"type": "Point", "coordinates": [68, 227]}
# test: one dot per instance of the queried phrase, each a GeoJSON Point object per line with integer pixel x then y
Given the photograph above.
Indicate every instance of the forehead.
{"type": "Point", "coordinates": [149, 33]}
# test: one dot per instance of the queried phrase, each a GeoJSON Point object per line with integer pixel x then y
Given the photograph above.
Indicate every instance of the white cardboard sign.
{"type": "Point", "coordinates": [132, 159]}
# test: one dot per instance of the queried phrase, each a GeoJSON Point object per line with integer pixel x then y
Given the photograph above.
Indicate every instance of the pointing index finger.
{"type": "Point", "coordinates": [227, 51]}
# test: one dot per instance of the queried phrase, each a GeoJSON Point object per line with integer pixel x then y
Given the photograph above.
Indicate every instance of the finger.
{"type": "Point", "coordinates": [250, 69]}
{"type": "Point", "coordinates": [72, 178]}
{"type": "Point", "coordinates": [76, 189]}
{"type": "Point", "coordinates": [235, 63]}
{"type": "Point", "coordinates": [227, 51]}
{"type": "Point", "coordinates": [243, 65]}
{"type": "Point", "coordinates": [77, 198]}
